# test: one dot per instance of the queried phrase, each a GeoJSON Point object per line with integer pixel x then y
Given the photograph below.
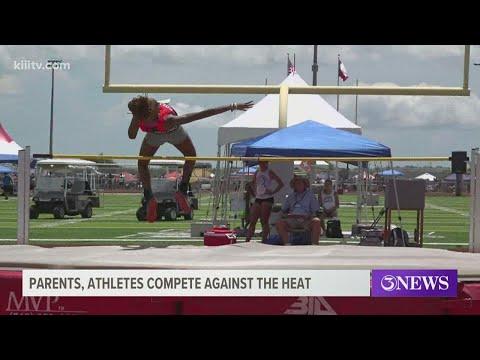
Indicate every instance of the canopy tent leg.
{"type": "Point", "coordinates": [361, 184]}
{"type": "Point", "coordinates": [357, 185]}
{"type": "Point", "coordinates": [397, 200]}
{"type": "Point", "coordinates": [474, 245]}
{"type": "Point", "coordinates": [226, 207]}
{"type": "Point", "coordinates": [224, 184]}
{"type": "Point", "coordinates": [216, 186]}
{"type": "Point", "coordinates": [336, 176]}
{"type": "Point", "coordinates": [220, 200]}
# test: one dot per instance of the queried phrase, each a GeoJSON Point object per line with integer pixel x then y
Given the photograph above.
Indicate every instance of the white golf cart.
{"type": "Point", "coordinates": [65, 187]}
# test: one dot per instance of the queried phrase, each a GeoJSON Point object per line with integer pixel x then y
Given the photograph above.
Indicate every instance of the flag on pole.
{"type": "Point", "coordinates": [342, 71]}
{"type": "Point", "coordinates": [291, 67]}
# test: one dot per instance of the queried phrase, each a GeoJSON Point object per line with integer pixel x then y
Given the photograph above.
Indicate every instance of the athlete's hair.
{"type": "Point", "coordinates": [139, 105]}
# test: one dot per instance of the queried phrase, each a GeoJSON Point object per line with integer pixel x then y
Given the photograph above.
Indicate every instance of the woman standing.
{"type": "Point", "coordinates": [263, 192]}
{"type": "Point", "coordinates": [329, 201]}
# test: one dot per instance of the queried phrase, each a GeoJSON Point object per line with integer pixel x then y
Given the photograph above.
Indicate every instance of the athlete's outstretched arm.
{"type": "Point", "coordinates": [173, 120]}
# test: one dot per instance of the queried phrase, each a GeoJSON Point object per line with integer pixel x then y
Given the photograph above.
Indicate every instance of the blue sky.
{"type": "Point", "coordinates": [89, 121]}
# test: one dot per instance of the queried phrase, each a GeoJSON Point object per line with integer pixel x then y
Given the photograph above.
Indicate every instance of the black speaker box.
{"type": "Point", "coordinates": [459, 162]}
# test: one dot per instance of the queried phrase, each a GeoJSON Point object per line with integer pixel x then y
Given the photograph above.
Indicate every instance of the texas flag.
{"type": "Point", "coordinates": [342, 71]}
{"type": "Point", "coordinates": [291, 67]}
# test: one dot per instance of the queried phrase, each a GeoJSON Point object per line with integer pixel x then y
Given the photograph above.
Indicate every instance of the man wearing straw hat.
{"type": "Point", "coordinates": [299, 211]}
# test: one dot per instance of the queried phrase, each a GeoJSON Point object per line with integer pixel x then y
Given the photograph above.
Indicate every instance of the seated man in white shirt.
{"type": "Point", "coordinates": [329, 201]}
{"type": "Point", "coordinates": [299, 211]}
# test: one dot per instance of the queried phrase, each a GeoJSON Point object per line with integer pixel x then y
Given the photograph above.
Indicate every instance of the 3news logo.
{"type": "Point", "coordinates": [414, 283]}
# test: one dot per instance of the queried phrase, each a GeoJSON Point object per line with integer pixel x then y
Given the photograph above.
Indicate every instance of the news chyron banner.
{"type": "Point", "coordinates": [196, 282]}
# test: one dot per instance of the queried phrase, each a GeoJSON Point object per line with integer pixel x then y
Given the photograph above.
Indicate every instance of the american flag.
{"type": "Point", "coordinates": [291, 67]}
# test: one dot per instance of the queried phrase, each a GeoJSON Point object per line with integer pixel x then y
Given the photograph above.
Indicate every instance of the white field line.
{"type": "Point", "coordinates": [201, 240]}
{"type": "Point", "coordinates": [74, 221]}
{"type": "Point", "coordinates": [158, 235]}
{"type": "Point", "coordinates": [114, 240]}
{"type": "Point", "coordinates": [446, 209]}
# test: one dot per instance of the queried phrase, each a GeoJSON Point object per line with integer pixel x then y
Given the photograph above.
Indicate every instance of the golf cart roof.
{"type": "Point", "coordinates": [66, 162]}
{"type": "Point", "coordinates": [198, 164]}
{"type": "Point", "coordinates": [167, 162]}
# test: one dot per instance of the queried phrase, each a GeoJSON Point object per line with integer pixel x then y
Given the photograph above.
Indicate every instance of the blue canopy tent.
{"type": "Point", "coordinates": [391, 172]}
{"type": "Point", "coordinates": [310, 139]}
{"type": "Point", "coordinates": [8, 158]}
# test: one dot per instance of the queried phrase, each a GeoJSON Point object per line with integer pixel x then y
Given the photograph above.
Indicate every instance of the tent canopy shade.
{"type": "Point", "coordinates": [391, 173]}
{"type": "Point", "coordinates": [427, 177]}
{"type": "Point", "coordinates": [310, 138]}
{"type": "Point", "coordinates": [262, 118]}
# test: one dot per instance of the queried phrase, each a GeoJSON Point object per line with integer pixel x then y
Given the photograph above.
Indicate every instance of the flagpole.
{"type": "Point", "coordinates": [294, 67]}
{"type": "Point", "coordinates": [288, 64]}
{"type": "Point", "coordinates": [338, 78]}
{"type": "Point", "coordinates": [356, 122]}
{"type": "Point", "coordinates": [315, 65]}
{"type": "Point", "coordinates": [356, 107]}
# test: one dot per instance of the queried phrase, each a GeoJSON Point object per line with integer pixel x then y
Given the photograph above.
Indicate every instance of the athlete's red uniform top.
{"type": "Point", "coordinates": [159, 126]}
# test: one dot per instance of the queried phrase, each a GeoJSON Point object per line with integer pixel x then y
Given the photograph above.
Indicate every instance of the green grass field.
{"type": "Point", "coordinates": [446, 223]}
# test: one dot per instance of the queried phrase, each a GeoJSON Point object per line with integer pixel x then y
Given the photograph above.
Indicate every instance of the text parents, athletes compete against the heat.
{"type": "Point", "coordinates": [126, 283]}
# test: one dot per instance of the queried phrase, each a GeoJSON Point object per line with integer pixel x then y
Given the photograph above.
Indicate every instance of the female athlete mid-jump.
{"type": "Point", "coordinates": [162, 124]}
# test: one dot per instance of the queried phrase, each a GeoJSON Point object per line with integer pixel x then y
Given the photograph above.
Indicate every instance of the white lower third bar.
{"type": "Point", "coordinates": [196, 282]}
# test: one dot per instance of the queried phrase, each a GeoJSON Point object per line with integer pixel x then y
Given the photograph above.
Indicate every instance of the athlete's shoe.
{"type": "Point", "coordinates": [183, 202]}
{"type": "Point", "coordinates": [182, 198]}
{"type": "Point", "coordinates": [183, 188]}
{"type": "Point", "coordinates": [152, 210]}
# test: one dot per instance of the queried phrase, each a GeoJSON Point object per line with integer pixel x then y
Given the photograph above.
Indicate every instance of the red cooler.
{"type": "Point", "coordinates": [219, 235]}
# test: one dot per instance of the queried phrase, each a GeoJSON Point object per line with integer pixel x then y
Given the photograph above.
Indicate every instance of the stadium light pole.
{"type": "Point", "coordinates": [52, 66]}
{"type": "Point", "coordinates": [315, 65]}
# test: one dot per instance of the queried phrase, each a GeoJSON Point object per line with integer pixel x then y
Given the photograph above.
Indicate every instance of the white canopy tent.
{"type": "Point", "coordinates": [262, 118]}
{"type": "Point", "coordinates": [8, 147]}
{"type": "Point", "coordinates": [427, 177]}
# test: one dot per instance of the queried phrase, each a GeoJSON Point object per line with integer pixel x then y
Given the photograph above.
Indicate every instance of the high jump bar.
{"type": "Point", "coordinates": [238, 158]}
{"type": "Point", "coordinates": [277, 89]}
